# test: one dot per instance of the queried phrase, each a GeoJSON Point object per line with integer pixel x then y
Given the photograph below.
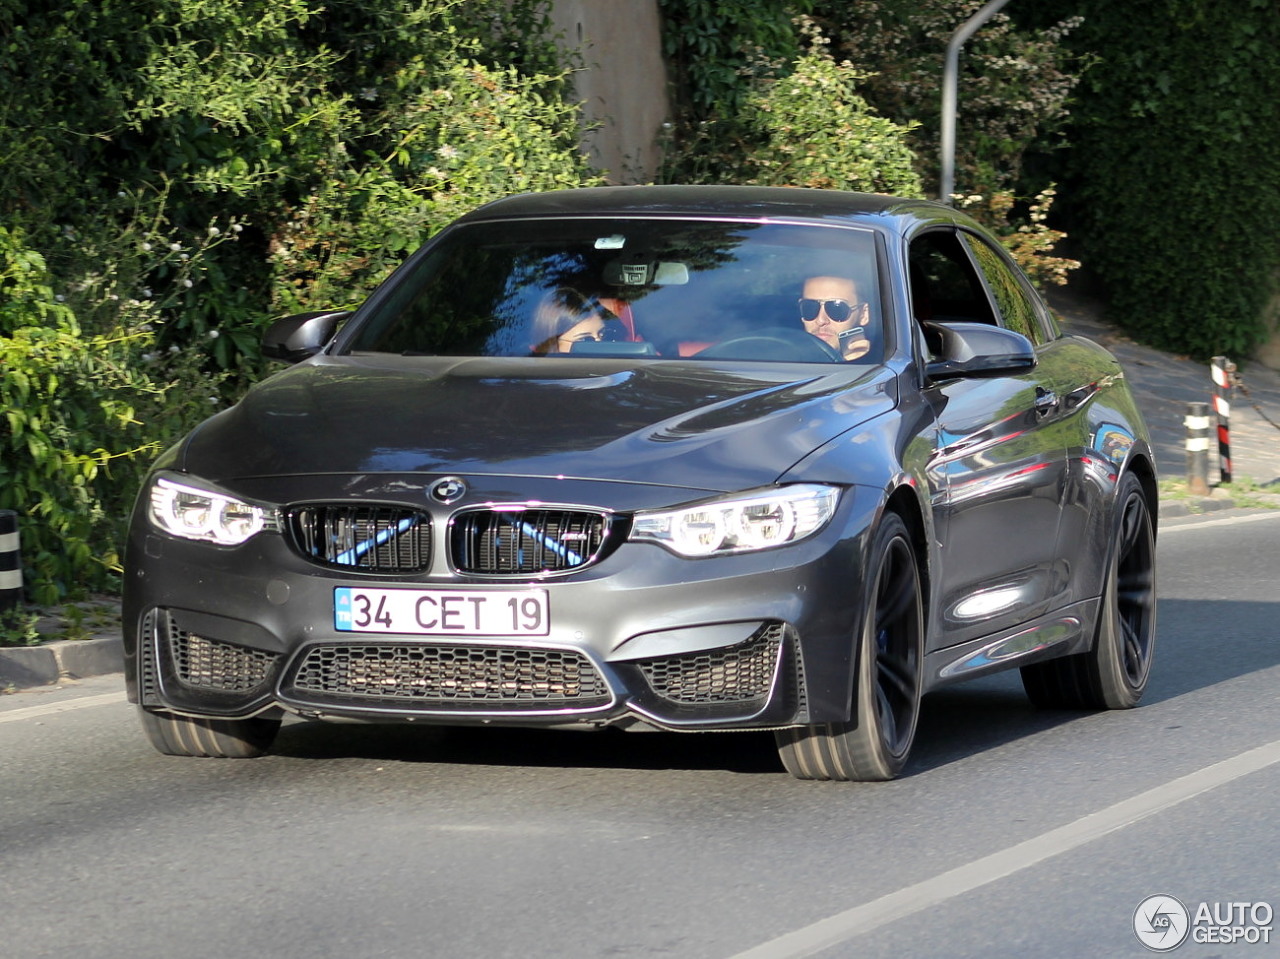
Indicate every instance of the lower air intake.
{"type": "Point", "coordinates": [732, 674]}
{"type": "Point", "coordinates": [483, 678]}
{"type": "Point", "coordinates": [205, 663]}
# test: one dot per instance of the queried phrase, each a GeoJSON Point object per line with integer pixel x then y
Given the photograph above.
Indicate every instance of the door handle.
{"type": "Point", "coordinates": [1046, 401]}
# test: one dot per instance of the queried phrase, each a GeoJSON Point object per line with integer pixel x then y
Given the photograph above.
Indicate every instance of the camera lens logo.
{"type": "Point", "coordinates": [1161, 923]}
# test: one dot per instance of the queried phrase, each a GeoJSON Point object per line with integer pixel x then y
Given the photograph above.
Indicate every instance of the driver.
{"type": "Point", "coordinates": [831, 310]}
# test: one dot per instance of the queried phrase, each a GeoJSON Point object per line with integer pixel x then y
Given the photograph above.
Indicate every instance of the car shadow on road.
{"type": "Point", "coordinates": [748, 752]}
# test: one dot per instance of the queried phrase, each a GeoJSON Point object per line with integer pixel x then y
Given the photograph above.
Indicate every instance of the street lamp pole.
{"type": "Point", "coordinates": [950, 73]}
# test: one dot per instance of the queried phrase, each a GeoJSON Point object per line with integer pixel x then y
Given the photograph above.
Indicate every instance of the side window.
{"type": "Point", "coordinates": [944, 285]}
{"type": "Point", "coordinates": [1016, 307]}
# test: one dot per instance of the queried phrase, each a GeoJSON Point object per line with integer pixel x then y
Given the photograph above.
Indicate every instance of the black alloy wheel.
{"type": "Point", "coordinates": [874, 745]}
{"type": "Point", "coordinates": [1114, 673]}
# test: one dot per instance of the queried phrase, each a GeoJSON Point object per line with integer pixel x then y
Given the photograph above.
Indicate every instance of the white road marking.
{"type": "Point", "coordinates": [1211, 520]}
{"type": "Point", "coordinates": [963, 879]}
{"type": "Point", "coordinates": [66, 706]}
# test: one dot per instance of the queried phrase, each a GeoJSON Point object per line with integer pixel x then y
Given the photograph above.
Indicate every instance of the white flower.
{"type": "Point", "coordinates": [146, 248]}
{"type": "Point", "coordinates": [175, 247]}
{"type": "Point", "coordinates": [236, 228]}
{"type": "Point", "coordinates": [213, 334]}
{"type": "Point", "coordinates": [214, 231]}
{"type": "Point", "coordinates": [188, 284]}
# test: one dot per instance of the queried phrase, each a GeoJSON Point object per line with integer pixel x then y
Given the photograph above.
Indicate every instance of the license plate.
{"type": "Point", "coordinates": [438, 612]}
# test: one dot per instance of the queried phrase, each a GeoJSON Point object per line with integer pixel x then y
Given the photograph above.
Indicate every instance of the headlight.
{"type": "Point", "coordinates": [195, 513]}
{"type": "Point", "coordinates": [745, 521]}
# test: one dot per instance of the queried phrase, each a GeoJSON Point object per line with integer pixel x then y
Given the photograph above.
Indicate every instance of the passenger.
{"type": "Point", "coordinates": [564, 317]}
{"type": "Point", "coordinates": [831, 311]}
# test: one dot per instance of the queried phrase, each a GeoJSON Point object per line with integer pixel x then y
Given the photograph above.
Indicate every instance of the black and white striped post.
{"type": "Point", "coordinates": [1221, 370]}
{"type": "Point", "coordinates": [10, 562]}
{"type": "Point", "coordinates": [1197, 424]}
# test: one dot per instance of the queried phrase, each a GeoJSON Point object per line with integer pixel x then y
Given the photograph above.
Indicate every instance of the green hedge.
{"type": "Point", "coordinates": [174, 173]}
{"type": "Point", "coordinates": [1174, 171]}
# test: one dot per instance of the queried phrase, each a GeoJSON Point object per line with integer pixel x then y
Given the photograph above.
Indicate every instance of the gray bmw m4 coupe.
{"type": "Point", "coordinates": [676, 458]}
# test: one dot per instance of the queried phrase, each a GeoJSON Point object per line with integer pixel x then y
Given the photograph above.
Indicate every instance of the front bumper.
{"type": "Point", "coordinates": [755, 640]}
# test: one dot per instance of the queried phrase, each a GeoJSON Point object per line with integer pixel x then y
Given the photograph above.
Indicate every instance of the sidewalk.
{"type": "Point", "coordinates": [1163, 384]}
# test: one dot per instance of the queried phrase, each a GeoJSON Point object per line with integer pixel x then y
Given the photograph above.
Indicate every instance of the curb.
{"type": "Point", "coordinates": [22, 667]}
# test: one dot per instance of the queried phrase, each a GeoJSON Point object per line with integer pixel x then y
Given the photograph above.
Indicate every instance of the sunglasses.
{"type": "Point", "coordinates": [838, 311]}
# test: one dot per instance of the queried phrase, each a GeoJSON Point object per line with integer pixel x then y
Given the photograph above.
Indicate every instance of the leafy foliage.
{"type": "Point", "coordinates": [72, 442]}
{"type": "Point", "coordinates": [764, 103]}
{"type": "Point", "coordinates": [714, 47]}
{"type": "Point", "coordinates": [480, 134]}
{"type": "Point", "coordinates": [1013, 86]}
{"type": "Point", "coordinates": [1174, 182]}
{"type": "Point", "coordinates": [263, 113]}
{"type": "Point", "coordinates": [786, 115]}
{"type": "Point", "coordinates": [174, 172]}
{"type": "Point", "coordinates": [814, 129]}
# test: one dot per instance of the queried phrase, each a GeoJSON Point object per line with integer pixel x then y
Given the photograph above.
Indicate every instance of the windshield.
{"type": "Point", "coordinates": [657, 288]}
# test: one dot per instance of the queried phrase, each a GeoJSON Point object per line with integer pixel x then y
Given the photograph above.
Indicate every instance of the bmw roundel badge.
{"type": "Point", "coordinates": [448, 490]}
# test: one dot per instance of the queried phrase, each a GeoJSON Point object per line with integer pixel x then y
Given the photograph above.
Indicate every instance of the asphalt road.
{"type": "Point", "coordinates": [1014, 833]}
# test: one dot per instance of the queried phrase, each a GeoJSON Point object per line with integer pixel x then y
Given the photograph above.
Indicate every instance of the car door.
{"type": "Point", "coordinates": [999, 465]}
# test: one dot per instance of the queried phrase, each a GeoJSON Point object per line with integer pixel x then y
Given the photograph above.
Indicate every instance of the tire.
{"type": "Point", "coordinates": [874, 745]}
{"type": "Point", "coordinates": [176, 735]}
{"type": "Point", "coordinates": [1114, 673]}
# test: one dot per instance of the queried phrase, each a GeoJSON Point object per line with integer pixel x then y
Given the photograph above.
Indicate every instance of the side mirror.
{"type": "Point", "coordinates": [294, 338]}
{"type": "Point", "coordinates": [976, 350]}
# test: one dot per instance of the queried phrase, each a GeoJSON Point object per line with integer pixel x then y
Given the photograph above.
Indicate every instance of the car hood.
{"type": "Point", "coordinates": [691, 424]}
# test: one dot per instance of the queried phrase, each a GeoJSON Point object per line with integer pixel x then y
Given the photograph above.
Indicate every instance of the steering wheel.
{"type": "Point", "coordinates": [773, 343]}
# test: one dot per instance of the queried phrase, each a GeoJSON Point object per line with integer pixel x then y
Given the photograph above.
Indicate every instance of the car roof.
{"type": "Point", "coordinates": [748, 202]}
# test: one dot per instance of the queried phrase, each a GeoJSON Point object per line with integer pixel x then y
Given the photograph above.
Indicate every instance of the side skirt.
{"type": "Point", "coordinates": [1060, 633]}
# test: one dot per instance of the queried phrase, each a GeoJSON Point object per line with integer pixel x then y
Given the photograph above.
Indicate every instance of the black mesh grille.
{"type": "Point", "coordinates": [384, 539]}
{"type": "Point", "coordinates": [459, 676]}
{"type": "Point", "coordinates": [732, 674]}
{"type": "Point", "coordinates": [526, 540]}
{"type": "Point", "coordinates": [211, 664]}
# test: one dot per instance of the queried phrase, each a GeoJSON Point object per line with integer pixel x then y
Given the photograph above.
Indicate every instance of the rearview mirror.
{"type": "Point", "coordinates": [976, 350]}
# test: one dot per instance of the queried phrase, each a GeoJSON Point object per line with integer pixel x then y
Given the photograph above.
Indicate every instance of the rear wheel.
{"type": "Point", "coordinates": [176, 735]}
{"type": "Point", "coordinates": [874, 745]}
{"type": "Point", "coordinates": [1113, 674]}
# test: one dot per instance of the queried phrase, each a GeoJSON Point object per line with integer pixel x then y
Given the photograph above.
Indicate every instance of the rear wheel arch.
{"type": "Point", "coordinates": [1142, 468]}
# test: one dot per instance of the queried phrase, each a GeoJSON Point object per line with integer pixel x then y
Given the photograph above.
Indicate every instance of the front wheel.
{"type": "Point", "coordinates": [176, 735]}
{"type": "Point", "coordinates": [1113, 674]}
{"type": "Point", "coordinates": [873, 746]}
